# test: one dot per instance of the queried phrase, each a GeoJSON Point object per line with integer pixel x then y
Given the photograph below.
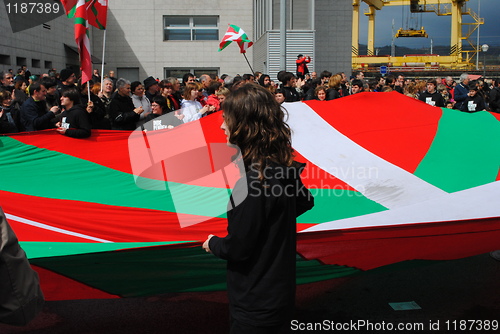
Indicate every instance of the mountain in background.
{"type": "Point", "coordinates": [492, 56]}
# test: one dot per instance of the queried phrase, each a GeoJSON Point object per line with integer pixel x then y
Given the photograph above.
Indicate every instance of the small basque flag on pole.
{"type": "Point", "coordinates": [235, 34]}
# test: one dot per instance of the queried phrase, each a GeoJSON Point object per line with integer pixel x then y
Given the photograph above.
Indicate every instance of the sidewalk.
{"type": "Point", "coordinates": [446, 292]}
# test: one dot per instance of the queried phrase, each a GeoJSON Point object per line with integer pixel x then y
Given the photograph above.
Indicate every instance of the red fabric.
{"type": "Point", "coordinates": [51, 284]}
{"type": "Point", "coordinates": [117, 224]}
{"type": "Point", "coordinates": [410, 127]}
{"type": "Point", "coordinates": [368, 248]}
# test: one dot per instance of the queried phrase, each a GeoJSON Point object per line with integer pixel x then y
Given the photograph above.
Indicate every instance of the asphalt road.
{"type": "Point", "coordinates": [458, 296]}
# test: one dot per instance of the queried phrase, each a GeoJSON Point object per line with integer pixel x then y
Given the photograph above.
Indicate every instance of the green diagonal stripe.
{"type": "Point", "coordinates": [465, 152]}
{"type": "Point", "coordinates": [30, 170]}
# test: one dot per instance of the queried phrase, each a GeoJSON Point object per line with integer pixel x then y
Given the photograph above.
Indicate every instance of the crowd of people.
{"type": "Point", "coordinates": [59, 100]}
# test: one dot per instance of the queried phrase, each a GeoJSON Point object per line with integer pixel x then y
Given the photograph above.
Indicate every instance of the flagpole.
{"type": "Point", "coordinates": [102, 60]}
{"type": "Point", "coordinates": [251, 69]}
{"type": "Point", "coordinates": [88, 90]}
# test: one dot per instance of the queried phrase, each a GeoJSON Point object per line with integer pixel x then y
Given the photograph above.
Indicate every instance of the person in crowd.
{"type": "Point", "coordinates": [325, 77]}
{"type": "Point", "coordinates": [247, 77]}
{"type": "Point", "coordinates": [495, 96]}
{"type": "Point", "coordinates": [139, 99]}
{"type": "Point", "coordinates": [190, 106]}
{"type": "Point", "coordinates": [107, 92]}
{"type": "Point", "coordinates": [279, 96]}
{"type": "Point", "coordinates": [176, 95]}
{"type": "Point", "coordinates": [168, 119]}
{"type": "Point", "coordinates": [7, 81]}
{"type": "Point", "coordinates": [461, 92]}
{"type": "Point", "coordinates": [10, 119]}
{"type": "Point", "coordinates": [320, 93]}
{"type": "Point", "coordinates": [96, 77]}
{"type": "Point", "coordinates": [449, 105]}
{"type": "Point", "coordinates": [344, 85]}
{"type": "Point", "coordinates": [152, 87]}
{"type": "Point", "coordinates": [380, 83]}
{"type": "Point", "coordinates": [188, 78]}
{"type": "Point", "coordinates": [411, 90]}
{"type": "Point", "coordinates": [441, 88]}
{"type": "Point", "coordinates": [431, 96]}
{"type": "Point", "coordinates": [334, 83]}
{"type": "Point", "coordinates": [97, 112]}
{"type": "Point", "coordinates": [473, 102]}
{"type": "Point", "coordinates": [260, 245]}
{"type": "Point", "coordinates": [421, 86]}
{"type": "Point", "coordinates": [20, 94]}
{"type": "Point", "coordinates": [450, 85]}
{"type": "Point", "coordinates": [212, 99]}
{"type": "Point", "coordinates": [53, 97]}
{"type": "Point", "coordinates": [399, 83]}
{"type": "Point", "coordinates": [75, 121]}
{"type": "Point", "coordinates": [310, 89]}
{"type": "Point", "coordinates": [301, 64]}
{"type": "Point", "coordinates": [68, 80]}
{"type": "Point", "coordinates": [357, 86]}
{"type": "Point", "coordinates": [360, 75]}
{"type": "Point", "coordinates": [265, 81]}
{"type": "Point", "coordinates": [205, 80]}
{"type": "Point", "coordinates": [222, 94]}
{"type": "Point", "coordinates": [372, 85]}
{"type": "Point", "coordinates": [122, 112]}
{"type": "Point", "coordinates": [111, 76]}
{"type": "Point", "coordinates": [289, 87]}
{"type": "Point", "coordinates": [34, 112]}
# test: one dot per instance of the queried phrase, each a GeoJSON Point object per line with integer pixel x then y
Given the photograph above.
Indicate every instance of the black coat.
{"type": "Point", "coordinates": [35, 116]}
{"type": "Point", "coordinates": [260, 246]}
{"type": "Point", "coordinates": [435, 97]}
{"type": "Point", "coordinates": [121, 113]}
{"type": "Point", "coordinates": [10, 124]}
{"type": "Point", "coordinates": [77, 122]}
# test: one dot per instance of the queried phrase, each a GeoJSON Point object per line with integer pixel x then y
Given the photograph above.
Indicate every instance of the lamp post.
{"type": "Point", "coordinates": [484, 48]}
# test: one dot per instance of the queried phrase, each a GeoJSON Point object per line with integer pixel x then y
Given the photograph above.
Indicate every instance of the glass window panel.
{"type": "Point", "coordinates": [205, 21]}
{"type": "Point", "coordinates": [200, 71]}
{"type": "Point", "coordinates": [176, 21]}
{"type": "Point", "coordinates": [177, 34]}
{"type": "Point", "coordinates": [206, 34]}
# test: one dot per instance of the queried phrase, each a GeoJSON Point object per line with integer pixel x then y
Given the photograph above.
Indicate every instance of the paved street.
{"type": "Point", "coordinates": [444, 293]}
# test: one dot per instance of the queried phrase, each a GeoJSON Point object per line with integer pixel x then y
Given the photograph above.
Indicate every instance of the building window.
{"type": "Point", "coordinates": [21, 61]}
{"type": "Point", "coordinates": [4, 59]}
{"type": "Point", "coordinates": [190, 28]}
{"type": "Point", "coordinates": [179, 72]}
{"type": "Point", "coordinates": [48, 64]}
{"type": "Point", "coordinates": [35, 63]}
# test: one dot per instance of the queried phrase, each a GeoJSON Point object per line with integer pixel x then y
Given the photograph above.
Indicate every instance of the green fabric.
{"type": "Point", "coordinates": [465, 152]}
{"type": "Point", "coordinates": [48, 249]}
{"type": "Point", "coordinates": [155, 270]}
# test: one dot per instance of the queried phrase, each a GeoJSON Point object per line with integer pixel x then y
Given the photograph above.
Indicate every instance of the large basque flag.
{"type": "Point", "coordinates": [394, 179]}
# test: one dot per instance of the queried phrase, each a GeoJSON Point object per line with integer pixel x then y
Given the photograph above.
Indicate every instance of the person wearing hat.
{"type": "Point", "coordinates": [68, 79]}
{"type": "Point", "coordinates": [152, 88]}
{"type": "Point", "coordinates": [301, 63]}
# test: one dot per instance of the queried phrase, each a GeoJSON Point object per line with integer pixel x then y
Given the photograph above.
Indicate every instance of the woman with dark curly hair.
{"type": "Point", "coordinates": [260, 244]}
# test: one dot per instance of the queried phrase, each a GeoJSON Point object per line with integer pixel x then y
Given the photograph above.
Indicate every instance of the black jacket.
{"type": "Point", "coordinates": [495, 99]}
{"type": "Point", "coordinates": [35, 116]}
{"type": "Point", "coordinates": [10, 124]}
{"type": "Point", "coordinates": [121, 113]}
{"type": "Point", "coordinates": [77, 122]}
{"type": "Point", "coordinates": [291, 94]}
{"type": "Point", "coordinates": [260, 246]}
{"type": "Point", "coordinates": [473, 104]}
{"type": "Point", "coordinates": [434, 99]}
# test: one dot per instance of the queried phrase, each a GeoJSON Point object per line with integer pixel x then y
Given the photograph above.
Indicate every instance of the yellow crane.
{"type": "Point", "coordinates": [454, 8]}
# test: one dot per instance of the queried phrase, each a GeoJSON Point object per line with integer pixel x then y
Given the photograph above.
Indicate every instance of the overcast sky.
{"type": "Point", "coordinates": [438, 27]}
